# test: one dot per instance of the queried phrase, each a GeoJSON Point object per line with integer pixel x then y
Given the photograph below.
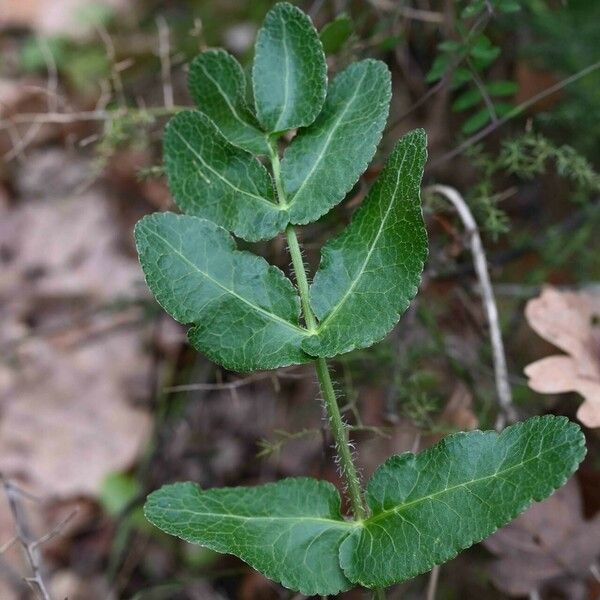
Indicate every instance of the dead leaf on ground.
{"type": "Point", "coordinates": [74, 363]}
{"type": "Point", "coordinates": [549, 541]}
{"type": "Point", "coordinates": [458, 413]}
{"type": "Point", "coordinates": [568, 320]}
{"type": "Point", "coordinates": [74, 18]}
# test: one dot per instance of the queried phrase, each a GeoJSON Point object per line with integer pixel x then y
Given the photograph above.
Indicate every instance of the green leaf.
{"type": "Point", "coordinates": [502, 88]}
{"type": "Point", "coordinates": [289, 74]}
{"type": "Point", "coordinates": [467, 100]}
{"type": "Point", "coordinates": [212, 179]}
{"type": "Point", "coordinates": [476, 121]}
{"type": "Point", "coordinates": [438, 69]}
{"type": "Point", "coordinates": [325, 160]}
{"type": "Point", "coordinates": [290, 530]}
{"type": "Point", "coordinates": [427, 508]}
{"type": "Point", "coordinates": [218, 86]}
{"type": "Point", "coordinates": [370, 272]}
{"type": "Point", "coordinates": [243, 311]}
{"type": "Point", "coordinates": [336, 33]}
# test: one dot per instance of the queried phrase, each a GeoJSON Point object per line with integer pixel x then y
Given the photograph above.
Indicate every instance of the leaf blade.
{"type": "Point", "coordinates": [289, 531]}
{"type": "Point", "coordinates": [243, 311]}
{"type": "Point", "coordinates": [217, 84]}
{"type": "Point", "coordinates": [325, 160]}
{"type": "Point", "coordinates": [532, 458]}
{"type": "Point", "coordinates": [289, 72]}
{"type": "Point", "coordinates": [370, 272]}
{"type": "Point", "coordinates": [213, 179]}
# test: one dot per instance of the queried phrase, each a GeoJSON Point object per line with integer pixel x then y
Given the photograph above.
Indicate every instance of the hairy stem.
{"type": "Point", "coordinates": [338, 428]}
{"type": "Point", "coordinates": [342, 443]}
{"type": "Point", "coordinates": [301, 281]}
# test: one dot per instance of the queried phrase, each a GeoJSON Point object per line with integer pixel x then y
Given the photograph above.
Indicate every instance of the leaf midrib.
{"type": "Point", "coordinates": [332, 522]}
{"type": "Point", "coordinates": [227, 100]}
{"type": "Point", "coordinates": [270, 315]}
{"type": "Point", "coordinates": [286, 76]}
{"type": "Point", "coordinates": [223, 179]}
{"type": "Point", "coordinates": [350, 289]}
{"type": "Point", "coordinates": [401, 507]}
{"type": "Point", "coordinates": [328, 140]}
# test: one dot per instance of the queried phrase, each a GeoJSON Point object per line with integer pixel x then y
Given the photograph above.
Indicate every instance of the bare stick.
{"type": "Point", "coordinates": [164, 53]}
{"type": "Point", "coordinates": [29, 544]}
{"type": "Point", "coordinates": [52, 100]}
{"type": "Point", "coordinates": [232, 385]}
{"type": "Point", "coordinates": [507, 411]}
{"type": "Point", "coordinates": [433, 582]}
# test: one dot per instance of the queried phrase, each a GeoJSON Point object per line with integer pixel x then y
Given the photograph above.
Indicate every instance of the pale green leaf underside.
{"type": "Point", "coordinates": [371, 271]}
{"type": "Point", "coordinates": [217, 84]}
{"type": "Point", "coordinates": [325, 160]}
{"type": "Point", "coordinates": [243, 312]}
{"type": "Point", "coordinates": [428, 507]}
{"type": "Point", "coordinates": [290, 530]}
{"type": "Point", "coordinates": [425, 509]}
{"type": "Point", "coordinates": [212, 179]}
{"type": "Point", "coordinates": [289, 75]}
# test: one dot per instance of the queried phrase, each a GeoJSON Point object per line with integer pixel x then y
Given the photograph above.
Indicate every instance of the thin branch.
{"type": "Point", "coordinates": [507, 411]}
{"type": "Point", "coordinates": [514, 113]}
{"type": "Point", "coordinates": [433, 583]}
{"type": "Point", "coordinates": [164, 53]}
{"type": "Point", "coordinates": [232, 385]}
{"type": "Point", "coordinates": [29, 545]}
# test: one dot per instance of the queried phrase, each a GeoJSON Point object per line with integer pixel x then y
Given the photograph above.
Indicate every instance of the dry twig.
{"type": "Point", "coordinates": [507, 412]}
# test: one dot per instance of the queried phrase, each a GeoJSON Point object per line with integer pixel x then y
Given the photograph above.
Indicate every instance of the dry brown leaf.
{"type": "Point", "coordinates": [458, 413]}
{"type": "Point", "coordinates": [72, 369]}
{"type": "Point", "coordinates": [550, 540]}
{"type": "Point", "coordinates": [55, 17]}
{"type": "Point", "coordinates": [568, 320]}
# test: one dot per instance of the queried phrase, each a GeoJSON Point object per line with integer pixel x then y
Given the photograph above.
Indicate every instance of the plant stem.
{"type": "Point", "coordinates": [301, 281]}
{"type": "Point", "coordinates": [340, 435]}
{"type": "Point", "coordinates": [339, 430]}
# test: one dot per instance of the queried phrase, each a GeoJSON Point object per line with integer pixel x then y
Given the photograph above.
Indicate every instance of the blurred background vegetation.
{"type": "Point", "coordinates": [102, 401]}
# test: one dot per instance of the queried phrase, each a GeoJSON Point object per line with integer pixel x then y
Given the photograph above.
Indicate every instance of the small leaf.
{"type": "Point", "coordinates": [473, 9]}
{"type": "Point", "coordinates": [289, 74]}
{"type": "Point", "coordinates": [290, 530]}
{"type": "Point", "coordinates": [212, 179]}
{"type": "Point", "coordinates": [370, 272]}
{"type": "Point", "coordinates": [336, 33]}
{"type": "Point", "coordinates": [325, 160]}
{"type": "Point", "coordinates": [509, 6]}
{"type": "Point", "coordinates": [438, 69]}
{"type": "Point", "coordinates": [218, 86]}
{"type": "Point", "coordinates": [502, 88]}
{"type": "Point", "coordinates": [476, 121]}
{"type": "Point", "coordinates": [467, 100]}
{"type": "Point", "coordinates": [483, 52]}
{"type": "Point", "coordinates": [428, 507]}
{"type": "Point", "coordinates": [243, 311]}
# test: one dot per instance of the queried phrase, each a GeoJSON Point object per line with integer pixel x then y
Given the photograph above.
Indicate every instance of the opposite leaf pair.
{"type": "Point", "coordinates": [425, 508]}
{"type": "Point", "coordinates": [245, 314]}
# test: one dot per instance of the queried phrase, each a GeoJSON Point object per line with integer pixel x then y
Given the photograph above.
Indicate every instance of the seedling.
{"type": "Point", "coordinates": [418, 510]}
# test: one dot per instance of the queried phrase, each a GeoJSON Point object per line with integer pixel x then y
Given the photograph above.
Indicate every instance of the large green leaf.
{"type": "Point", "coordinates": [428, 507]}
{"type": "Point", "coordinates": [290, 530]}
{"type": "Point", "coordinates": [425, 508]}
{"type": "Point", "coordinates": [370, 272]}
{"type": "Point", "coordinates": [325, 160]}
{"type": "Point", "coordinates": [289, 75]}
{"type": "Point", "coordinates": [213, 179]}
{"type": "Point", "coordinates": [218, 86]}
{"type": "Point", "coordinates": [243, 311]}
